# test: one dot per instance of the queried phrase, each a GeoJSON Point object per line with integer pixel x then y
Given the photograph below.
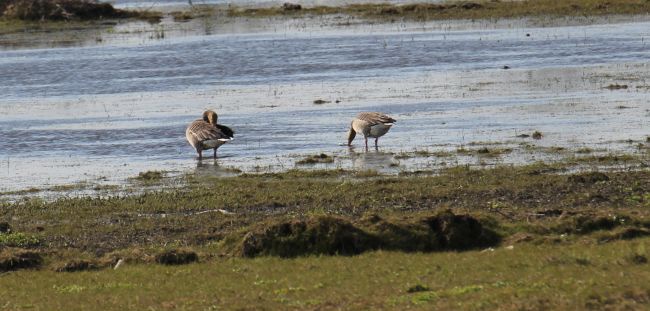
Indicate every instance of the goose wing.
{"type": "Point", "coordinates": [375, 118]}
{"type": "Point", "coordinates": [203, 131]}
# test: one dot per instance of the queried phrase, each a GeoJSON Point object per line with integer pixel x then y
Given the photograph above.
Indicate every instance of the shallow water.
{"type": "Point", "coordinates": [106, 112]}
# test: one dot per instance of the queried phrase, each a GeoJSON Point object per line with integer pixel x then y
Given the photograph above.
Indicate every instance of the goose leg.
{"type": "Point", "coordinates": [376, 139]}
{"type": "Point", "coordinates": [215, 153]}
{"type": "Point", "coordinates": [200, 152]}
{"type": "Point", "coordinates": [366, 138]}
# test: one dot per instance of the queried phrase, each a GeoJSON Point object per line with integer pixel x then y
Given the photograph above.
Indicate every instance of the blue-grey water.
{"type": "Point", "coordinates": [205, 61]}
{"type": "Point", "coordinates": [109, 111]}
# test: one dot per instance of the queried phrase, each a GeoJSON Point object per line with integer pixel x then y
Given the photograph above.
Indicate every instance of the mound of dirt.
{"type": "Point", "coordinates": [586, 224]}
{"type": "Point", "coordinates": [76, 265]}
{"type": "Point", "coordinates": [177, 257]}
{"type": "Point", "coordinates": [14, 259]}
{"type": "Point", "coordinates": [59, 10]}
{"type": "Point", "coordinates": [322, 235]}
{"type": "Point", "coordinates": [460, 232]}
{"type": "Point", "coordinates": [588, 178]}
{"type": "Point", "coordinates": [4, 227]}
{"type": "Point", "coordinates": [336, 236]}
{"type": "Point", "coordinates": [627, 234]}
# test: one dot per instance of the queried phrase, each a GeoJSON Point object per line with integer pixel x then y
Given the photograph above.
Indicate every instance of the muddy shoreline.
{"type": "Point", "coordinates": [537, 201]}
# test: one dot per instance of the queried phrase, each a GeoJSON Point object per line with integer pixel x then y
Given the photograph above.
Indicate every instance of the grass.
{"type": "Point", "coordinates": [89, 15]}
{"type": "Point", "coordinates": [69, 10]}
{"type": "Point", "coordinates": [319, 158]}
{"type": "Point", "coordinates": [153, 219]}
{"type": "Point", "coordinates": [550, 276]}
{"type": "Point", "coordinates": [13, 26]}
{"type": "Point", "coordinates": [18, 239]}
{"type": "Point", "coordinates": [546, 229]}
{"type": "Point", "coordinates": [328, 235]}
{"type": "Point", "coordinates": [462, 10]}
{"type": "Point", "coordinates": [197, 11]}
{"type": "Point", "coordinates": [585, 150]}
{"type": "Point", "coordinates": [422, 153]}
{"type": "Point", "coordinates": [483, 151]}
{"type": "Point", "coordinates": [150, 176]}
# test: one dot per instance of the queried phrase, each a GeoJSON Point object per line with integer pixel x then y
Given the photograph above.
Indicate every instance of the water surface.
{"type": "Point", "coordinates": [107, 112]}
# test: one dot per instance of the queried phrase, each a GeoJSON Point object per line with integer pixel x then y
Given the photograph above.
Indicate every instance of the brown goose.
{"type": "Point", "coordinates": [370, 124]}
{"type": "Point", "coordinates": [204, 134]}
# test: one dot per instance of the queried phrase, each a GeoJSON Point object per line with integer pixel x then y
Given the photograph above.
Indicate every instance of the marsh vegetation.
{"type": "Point", "coordinates": [460, 10]}
{"type": "Point", "coordinates": [537, 218]}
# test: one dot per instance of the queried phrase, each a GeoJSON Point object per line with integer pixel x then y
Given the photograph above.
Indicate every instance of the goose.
{"type": "Point", "coordinates": [205, 133]}
{"type": "Point", "coordinates": [370, 124]}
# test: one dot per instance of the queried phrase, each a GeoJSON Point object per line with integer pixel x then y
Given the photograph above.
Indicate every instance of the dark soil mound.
{"type": "Point", "coordinates": [631, 233]}
{"type": "Point", "coordinates": [13, 259]}
{"type": "Point", "coordinates": [4, 227]}
{"type": "Point", "coordinates": [177, 257]}
{"type": "Point", "coordinates": [336, 236]}
{"type": "Point", "coordinates": [287, 6]}
{"type": "Point", "coordinates": [323, 235]}
{"type": "Point", "coordinates": [77, 265]}
{"type": "Point", "coordinates": [588, 178]}
{"type": "Point", "coordinates": [588, 224]}
{"type": "Point", "coordinates": [59, 10]}
{"type": "Point", "coordinates": [460, 232]}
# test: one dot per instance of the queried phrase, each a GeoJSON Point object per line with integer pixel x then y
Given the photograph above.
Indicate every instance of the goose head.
{"type": "Point", "coordinates": [351, 134]}
{"type": "Point", "coordinates": [210, 117]}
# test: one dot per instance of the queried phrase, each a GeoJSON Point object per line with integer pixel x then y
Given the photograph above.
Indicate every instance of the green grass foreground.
{"type": "Point", "coordinates": [531, 237]}
{"type": "Point", "coordinates": [527, 277]}
{"type": "Point", "coordinates": [463, 9]}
